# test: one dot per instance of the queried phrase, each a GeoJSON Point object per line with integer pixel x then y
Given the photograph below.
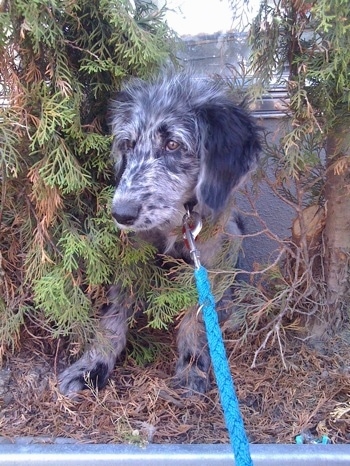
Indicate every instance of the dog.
{"type": "Point", "coordinates": [180, 143]}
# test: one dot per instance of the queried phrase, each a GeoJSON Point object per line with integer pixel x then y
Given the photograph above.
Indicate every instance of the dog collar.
{"type": "Point", "coordinates": [191, 226]}
{"type": "Point", "coordinates": [189, 206]}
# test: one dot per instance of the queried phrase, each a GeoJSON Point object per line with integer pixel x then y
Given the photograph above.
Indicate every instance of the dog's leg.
{"type": "Point", "coordinates": [192, 369]}
{"type": "Point", "coordinates": [96, 364]}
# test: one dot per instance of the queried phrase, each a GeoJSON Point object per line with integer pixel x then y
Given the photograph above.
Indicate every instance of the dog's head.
{"type": "Point", "coordinates": [177, 139]}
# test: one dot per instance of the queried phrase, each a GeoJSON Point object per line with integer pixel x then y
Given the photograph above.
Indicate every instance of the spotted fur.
{"type": "Point", "coordinates": [178, 141]}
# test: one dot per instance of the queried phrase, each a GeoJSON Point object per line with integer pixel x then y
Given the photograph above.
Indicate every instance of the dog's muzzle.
{"type": "Point", "coordinates": [126, 213]}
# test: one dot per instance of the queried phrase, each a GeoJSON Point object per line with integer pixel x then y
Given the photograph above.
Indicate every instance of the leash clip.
{"type": "Point", "coordinates": [191, 226]}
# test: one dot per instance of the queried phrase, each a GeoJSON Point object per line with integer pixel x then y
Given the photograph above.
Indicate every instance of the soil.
{"type": "Point", "coordinates": [294, 389]}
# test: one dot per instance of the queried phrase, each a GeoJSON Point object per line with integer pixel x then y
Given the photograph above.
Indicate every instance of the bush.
{"type": "Point", "coordinates": [60, 61]}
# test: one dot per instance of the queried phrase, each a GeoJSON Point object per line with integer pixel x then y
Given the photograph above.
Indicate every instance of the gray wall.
{"type": "Point", "coordinates": [276, 214]}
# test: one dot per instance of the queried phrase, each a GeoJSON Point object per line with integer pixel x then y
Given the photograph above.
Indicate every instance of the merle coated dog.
{"type": "Point", "coordinates": [180, 143]}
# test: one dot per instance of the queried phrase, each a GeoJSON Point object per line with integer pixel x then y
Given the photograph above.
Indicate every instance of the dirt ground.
{"type": "Point", "coordinates": [305, 392]}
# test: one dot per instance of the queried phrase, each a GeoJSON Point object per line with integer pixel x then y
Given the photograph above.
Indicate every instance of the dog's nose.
{"type": "Point", "coordinates": [126, 214]}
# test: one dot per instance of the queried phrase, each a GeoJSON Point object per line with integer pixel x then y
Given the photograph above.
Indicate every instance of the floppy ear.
{"type": "Point", "coordinates": [118, 116]}
{"type": "Point", "coordinates": [118, 108]}
{"type": "Point", "coordinates": [230, 150]}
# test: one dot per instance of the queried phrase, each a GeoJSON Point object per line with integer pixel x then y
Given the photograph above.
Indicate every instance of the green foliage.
{"type": "Point", "coordinates": [311, 41]}
{"type": "Point", "coordinates": [10, 158]}
{"type": "Point", "coordinates": [63, 302]}
{"type": "Point", "coordinates": [166, 298]}
{"type": "Point", "coordinates": [60, 60]}
{"type": "Point", "coordinates": [10, 322]}
{"type": "Point", "coordinates": [305, 47]}
{"type": "Point", "coordinates": [144, 348]}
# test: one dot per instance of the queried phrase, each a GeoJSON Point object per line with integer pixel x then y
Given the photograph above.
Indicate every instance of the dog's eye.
{"type": "Point", "coordinates": [172, 145]}
{"type": "Point", "coordinates": [127, 144]}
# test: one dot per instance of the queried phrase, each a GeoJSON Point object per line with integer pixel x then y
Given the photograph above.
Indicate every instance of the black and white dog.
{"type": "Point", "coordinates": [179, 141]}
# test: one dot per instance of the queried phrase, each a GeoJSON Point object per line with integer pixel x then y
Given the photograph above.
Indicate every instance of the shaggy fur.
{"type": "Point", "coordinates": [178, 141]}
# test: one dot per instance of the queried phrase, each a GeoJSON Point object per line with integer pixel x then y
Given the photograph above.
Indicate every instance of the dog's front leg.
{"type": "Point", "coordinates": [97, 362]}
{"type": "Point", "coordinates": [192, 369]}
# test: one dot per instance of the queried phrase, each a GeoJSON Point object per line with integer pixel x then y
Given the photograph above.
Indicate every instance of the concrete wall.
{"type": "Point", "coordinates": [277, 215]}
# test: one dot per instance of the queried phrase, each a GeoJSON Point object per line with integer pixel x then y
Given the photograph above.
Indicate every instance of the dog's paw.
{"type": "Point", "coordinates": [192, 382]}
{"type": "Point", "coordinates": [76, 378]}
{"type": "Point", "coordinates": [87, 372]}
{"type": "Point", "coordinates": [193, 375]}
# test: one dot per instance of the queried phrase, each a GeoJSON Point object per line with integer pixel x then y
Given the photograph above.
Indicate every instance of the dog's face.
{"type": "Point", "coordinates": [176, 140]}
{"type": "Point", "coordinates": [157, 162]}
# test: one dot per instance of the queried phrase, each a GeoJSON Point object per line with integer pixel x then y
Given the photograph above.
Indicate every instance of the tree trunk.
{"type": "Point", "coordinates": [337, 229]}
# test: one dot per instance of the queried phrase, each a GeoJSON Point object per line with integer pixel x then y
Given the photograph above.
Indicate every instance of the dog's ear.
{"type": "Point", "coordinates": [122, 96]}
{"type": "Point", "coordinates": [118, 115]}
{"type": "Point", "coordinates": [230, 149]}
{"type": "Point", "coordinates": [118, 103]}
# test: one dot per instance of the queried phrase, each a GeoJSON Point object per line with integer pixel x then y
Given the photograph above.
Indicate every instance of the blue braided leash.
{"type": "Point", "coordinates": [192, 225]}
{"type": "Point", "coordinates": [227, 392]}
